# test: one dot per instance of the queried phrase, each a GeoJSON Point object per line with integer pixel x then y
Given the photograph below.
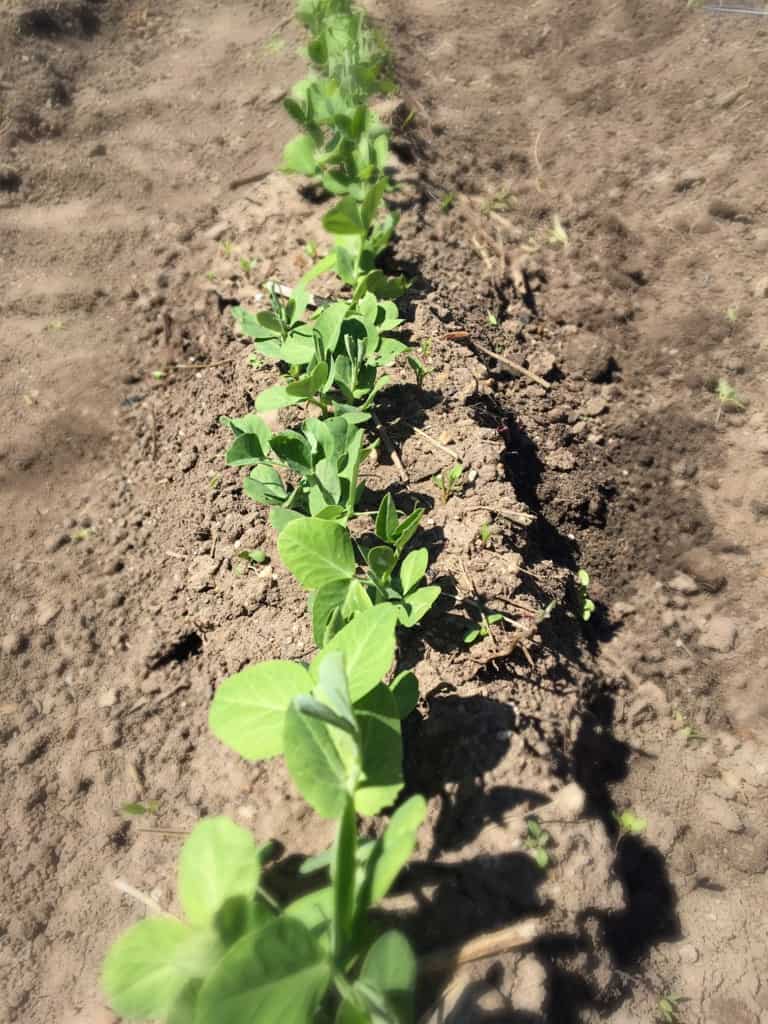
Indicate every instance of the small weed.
{"type": "Point", "coordinates": [448, 481]}
{"type": "Point", "coordinates": [215, 482]}
{"type": "Point", "coordinates": [420, 370]}
{"type": "Point", "coordinates": [669, 1009]}
{"type": "Point", "coordinates": [499, 202]}
{"type": "Point", "coordinates": [255, 361]}
{"type": "Point", "coordinates": [448, 201]}
{"type": "Point", "coordinates": [158, 374]}
{"type": "Point", "coordinates": [83, 533]}
{"type": "Point", "coordinates": [493, 320]}
{"type": "Point", "coordinates": [537, 841]}
{"type": "Point", "coordinates": [255, 556]}
{"type": "Point", "coordinates": [732, 314]}
{"type": "Point", "coordinates": [246, 265]}
{"type": "Point", "coordinates": [558, 235]}
{"type": "Point", "coordinates": [311, 250]}
{"type": "Point", "coordinates": [409, 118]}
{"type": "Point", "coordinates": [484, 533]}
{"type": "Point", "coordinates": [138, 809]}
{"type": "Point", "coordinates": [425, 347]}
{"type": "Point", "coordinates": [210, 275]}
{"type": "Point", "coordinates": [483, 630]}
{"type": "Point", "coordinates": [685, 729]}
{"type": "Point", "coordinates": [729, 399]}
{"type": "Point", "coordinates": [54, 325]}
{"type": "Point", "coordinates": [226, 248]}
{"type": "Point", "coordinates": [629, 824]}
{"type": "Point", "coordinates": [584, 602]}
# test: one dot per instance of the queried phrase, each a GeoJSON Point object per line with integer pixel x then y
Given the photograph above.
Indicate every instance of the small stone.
{"type": "Point", "coordinates": [98, 150]}
{"type": "Point", "coordinates": [568, 804]}
{"type": "Point", "coordinates": [201, 572]}
{"type": "Point", "coordinates": [53, 543]}
{"type": "Point", "coordinates": [722, 209]}
{"type": "Point", "coordinates": [760, 288]}
{"type": "Point", "coordinates": [46, 613]}
{"type": "Point", "coordinates": [189, 461]}
{"type": "Point", "coordinates": [217, 231]}
{"type": "Point", "coordinates": [683, 584]}
{"type": "Point", "coordinates": [561, 460]}
{"type": "Point", "coordinates": [750, 854]}
{"type": "Point", "coordinates": [13, 643]}
{"type": "Point", "coordinates": [704, 568]}
{"type": "Point", "coordinates": [719, 634]}
{"type": "Point", "coordinates": [759, 508]}
{"type": "Point", "coordinates": [688, 953]}
{"type": "Point", "coordinates": [587, 355]}
{"type": "Point", "coordinates": [595, 406]}
{"type": "Point", "coordinates": [688, 180]}
{"type": "Point", "coordinates": [717, 811]}
{"type": "Point", "coordinates": [107, 699]}
{"type": "Point", "coordinates": [761, 239]}
{"type": "Point", "coordinates": [162, 280]}
{"type": "Point", "coordinates": [542, 363]}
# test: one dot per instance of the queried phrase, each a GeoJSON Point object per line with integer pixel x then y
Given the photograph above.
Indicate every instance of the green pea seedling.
{"type": "Point", "coordinates": [448, 481]}
{"type": "Point", "coordinates": [629, 824]}
{"type": "Point", "coordinates": [484, 629]}
{"type": "Point", "coordinates": [584, 603]}
{"type": "Point", "coordinates": [537, 840]}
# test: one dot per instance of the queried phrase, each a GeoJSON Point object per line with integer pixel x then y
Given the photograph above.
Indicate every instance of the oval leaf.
{"type": "Point", "coordinates": [218, 861]}
{"type": "Point", "coordinates": [317, 552]}
{"type": "Point", "coordinates": [248, 711]}
{"type": "Point", "coordinates": [368, 644]}
{"type": "Point", "coordinates": [144, 972]}
{"type": "Point", "coordinates": [314, 763]}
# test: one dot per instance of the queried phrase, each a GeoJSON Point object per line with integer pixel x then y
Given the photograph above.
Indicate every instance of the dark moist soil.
{"type": "Point", "coordinates": [127, 603]}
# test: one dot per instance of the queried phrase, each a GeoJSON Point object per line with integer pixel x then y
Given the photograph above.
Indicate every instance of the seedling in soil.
{"type": "Point", "coordinates": [493, 320]}
{"type": "Point", "coordinates": [685, 729]}
{"type": "Point", "coordinates": [226, 248]}
{"type": "Point", "coordinates": [139, 809]}
{"type": "Point", "coordinates": [425, 347]}
{"type": "Point", "coordinates": [420, 370]}
{"type": "Point", "coordinates": [255, 556]}
{"type": "Point", "coordinates": [311, 250]}
{"type": "Point", "coordinates": [629, 824]}
{"type": "Point", "coordinates": [159, 374]}
{"type": "Point", "coordinates": [484, 533]}
{"type": "Point", "coordinates": [448, 201]}
{"type": "Point", "coordinates": [537, 841]}
{"type": "Point", "coordinates": [246, 265]}
{"type": "Point", "coordinates": [499, 202]}
{"type": "Point", "coordinates": [729, 399]}
{"type": "Point", "coordinates": [669, 1009]}
{"type": "Point", "coordinates": [448, 481]}
{"type": "Point", "coordinates": [558, 236]}
{"type": "Point", "coordinates": [77, 536]}
{"type": "Point", "coordinates": [732, 314]}
{"type": "Point", "coordinates": [585, 605]}
{"type": "Point", "coordinates": [484, 629]}
{"type": "Point", "coordinates": [215, 482]}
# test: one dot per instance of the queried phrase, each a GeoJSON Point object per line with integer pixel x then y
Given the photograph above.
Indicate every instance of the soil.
{"type": "Point", "coordinates": [581, 195]}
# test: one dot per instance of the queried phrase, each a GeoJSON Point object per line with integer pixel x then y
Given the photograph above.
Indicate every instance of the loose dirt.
{"type": "Point", "coordinates": [592, 180]}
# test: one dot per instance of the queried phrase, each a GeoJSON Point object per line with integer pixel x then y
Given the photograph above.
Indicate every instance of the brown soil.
{"type": "Point", "coordinates": [122, 127]}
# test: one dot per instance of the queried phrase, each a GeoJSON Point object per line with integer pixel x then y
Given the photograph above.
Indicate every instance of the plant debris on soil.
{"type": "Point", "coordinates": [599, 268]}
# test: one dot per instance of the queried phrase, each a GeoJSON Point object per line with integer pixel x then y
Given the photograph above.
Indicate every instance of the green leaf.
{"type": "Point", "coordinates": [183, 1010]}
{"type": "Point", "coordinates": [245, 450]}
{"type": "Point", "coordinates": [371, 202]}
{"type": "Point", "coordinates": [381, 561]}
{"type": "Point", "coordinates": [218, 861]}
{"type": "Point", "coordinates": [383, 287]}
{"type": "Point", "coordinates": [343, 877]}
{"type": "Point", "coordinates": [386, 520]}
{"type": "Point", "coordinates": [240, 915]}
{"type": "Point", "coordinates": [315, 764]}
{"type": "Point", "coordinates": [344, 218]}
{"type": "Point", "coordinates": [393, 850]}
{"type": "Point", "coordinates": [306, 386]}
{"type": "Point", "coordinates": [293, 449]}
{"type": "Point", "coordinates": [317, 552]}
{"type": "Point", "coordinates": [405, 690]}
{"type": "Point", "coordinates": [299, 156]}
{"type": "Point", "coordinates": [277, 975]}
{"type": "Point", "coordinates": [413, 569]}
{"type": "Point", "coordinates": [417, 604]}
{"type": "Point", "coordinates": [368, 643]}
{"type": "Point", "coordinates": [280, 517]}
{"type": "Point", "coordinates": [381, 749]}
{"type": "Point", "coordinates": [248, 710]}
{"type": "Point", "coordinates": [277, 397]}
{"type": "Point", "coordinates": [265, 485]}
{"type": "Point", "coordinates": [314, 910]}
{"type": "Point", "coordinates": [390, 967]}
{"type": "Point", "coordinates": [324, 600]}
{"type": "Point", "coordinates": [333, 689]}
{"type": "Point", "coordinates": [145, 970]}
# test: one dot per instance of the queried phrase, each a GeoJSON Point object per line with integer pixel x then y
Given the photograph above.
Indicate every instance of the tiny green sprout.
{"type": "Point", "coordinates": [215, 482]}
{"type": "Point", "coordinates": [493, 320]}
{"type": "Point", "coordinates": [448, 201]}
{"type": "Point", "coordinates": [158, 374]}
{"type": "Point", "coordinates": [138, 809]}
{"type": "Point", "coordinates": [483, 630]}
{"type": "Point", "coordinates": [246, 265]}
{"type": "Point", "coordinates": [558, 235]}
{"type": "Point", "coordinates": [256, 361]}
{"type": "Point", "coordinates": [311, 249]}
{"type": "Point", "coordinates": [732, 314]}
{"type": "Point", "coordinates": [499, 202]}
{"type": "Point", "coordinates": [256, 556]}
{"type": "Point", "coordinates": [274, 45]}
{"type": "Point", "coordinates": [669, 1009]}
{"type": "Point", "coordinates": [730, 400]}
{"type": "Point", "coordinates": [83, 533]}
{"type": "Point", "coordinates": [629, 824]}
{"type": "Point", "coordinates": [448, 481]}
{"type": "Point", "coordinates": [210, 275]}
{"type": "Point", "coordinates": [687, 731]}
{"type": "Point", "coordinates": [419, 369]}
{"type": "Point", "coordinates": [54, 325]}
{"type": "Point", "coordinates": [484, 533]}
{"type": "Point", "coordinates": [537, 841]}
{"type": "Point", "coordinates": [410, 117]}
{"type": "Point", "coordinates": [226, 248]}
{"type": "Point", "coordinates": [425, 347]}
{"type": "Point", "coordinates": [586, 605]}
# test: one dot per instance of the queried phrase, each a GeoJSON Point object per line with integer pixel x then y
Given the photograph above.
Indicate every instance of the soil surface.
{"type": "Point", "coordinates": [581, 195]}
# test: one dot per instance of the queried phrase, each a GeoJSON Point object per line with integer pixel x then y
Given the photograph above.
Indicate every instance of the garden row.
{"type": "Point", "coordinates": [238, 955]}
